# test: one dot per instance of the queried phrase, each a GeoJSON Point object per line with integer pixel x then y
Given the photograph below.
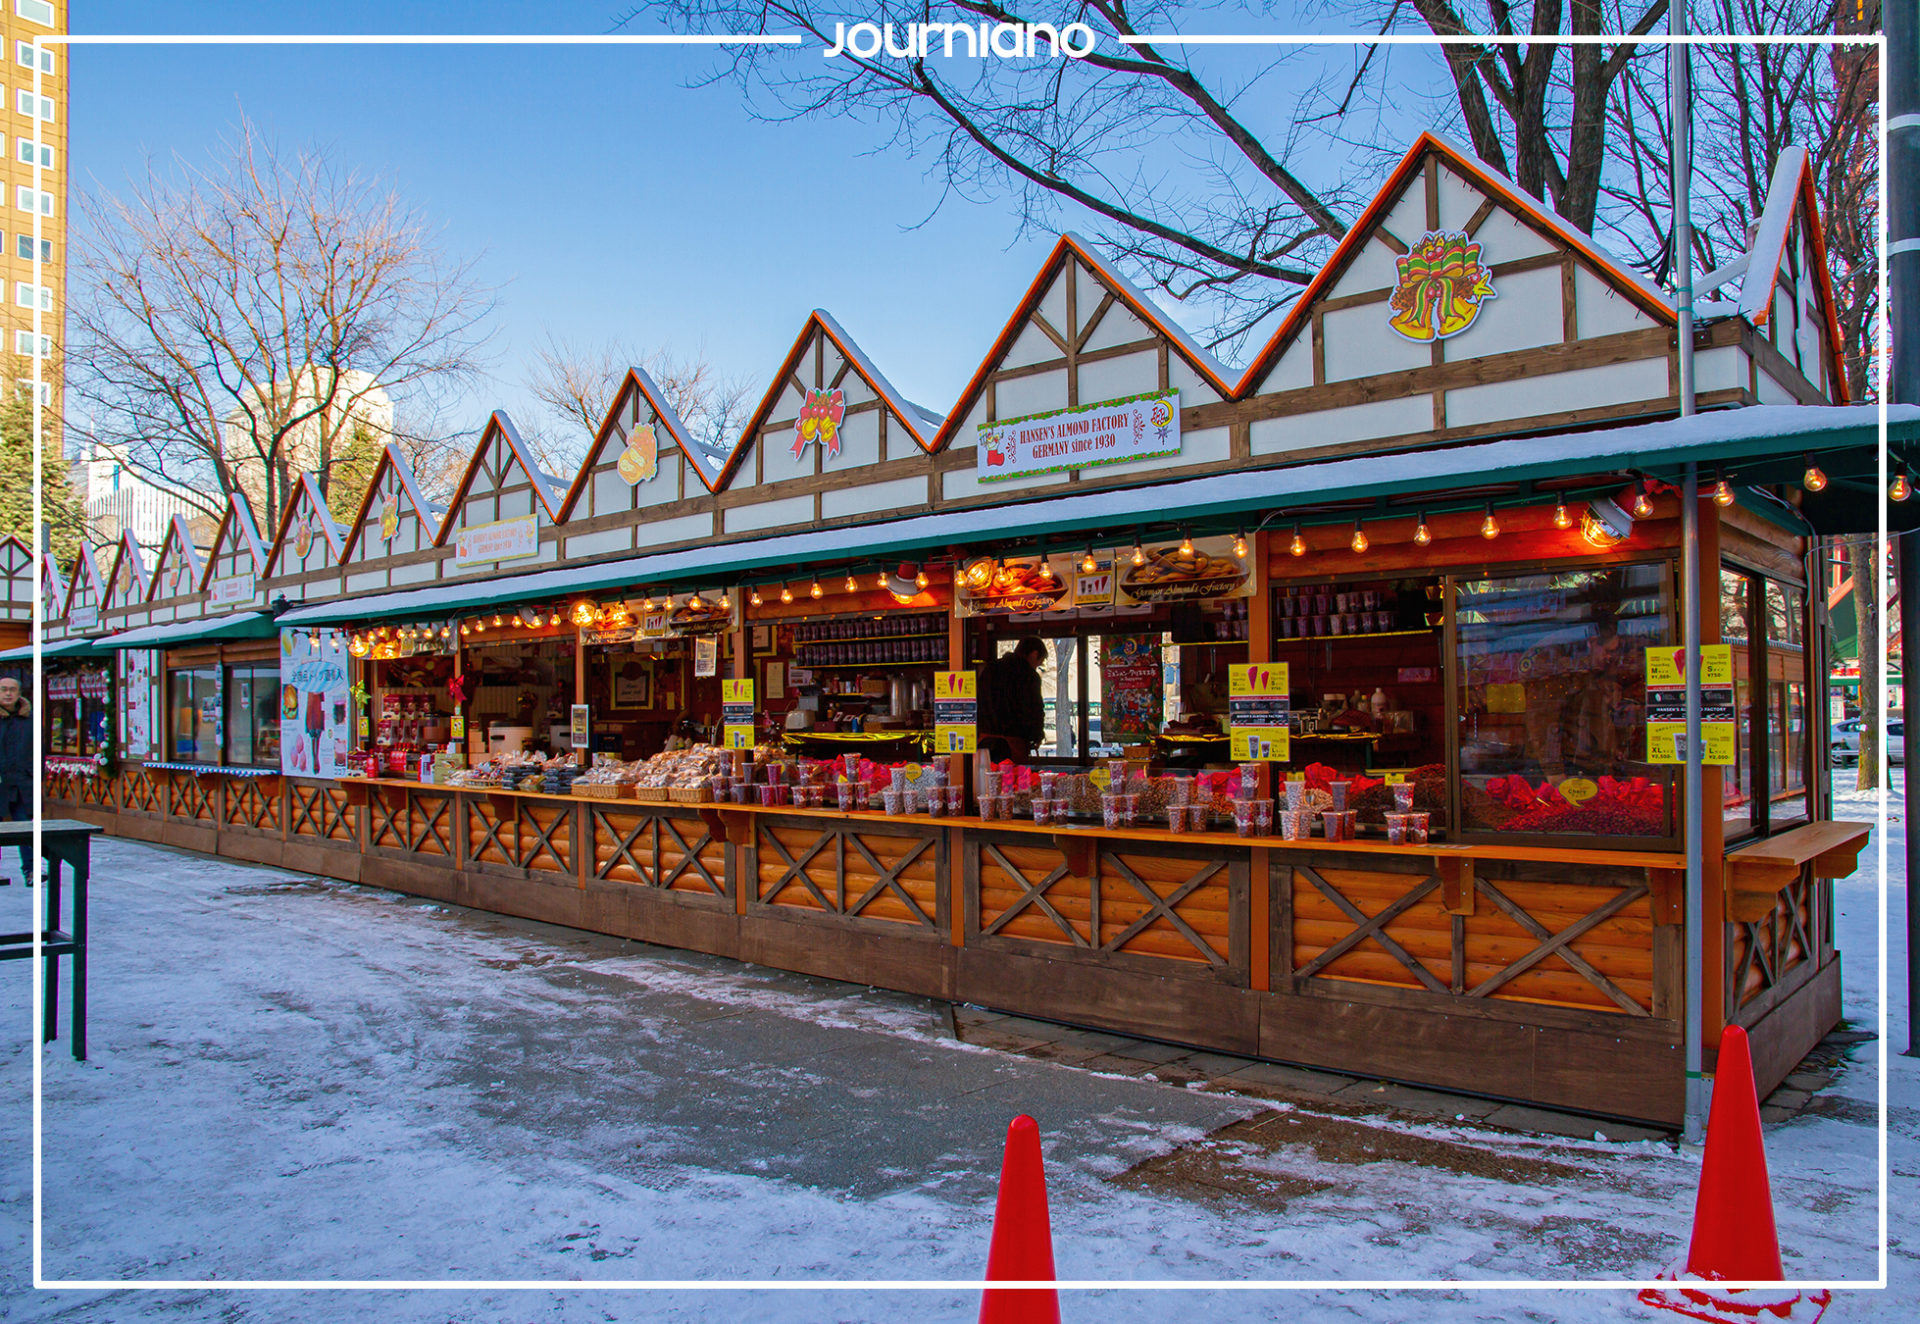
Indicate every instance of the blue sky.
{"type": "Point", "coordinates": [606, 197]}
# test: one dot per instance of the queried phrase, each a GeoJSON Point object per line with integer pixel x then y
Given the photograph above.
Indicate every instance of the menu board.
{"type": "Point", "coordinates": [1130, 687]}
{"type": "Point", "coordinates": [706, 657]}
{"type": "Point", "coordinates": [313, 704]}
{"type": "Point", "coordinates": [1258, 709]}
{"type": "Point", "coordinates": [736, 713]}
{"type": "Point", "coordinates": [1667, 705]}
{"type": "Point", "coordinates": [956, 712]}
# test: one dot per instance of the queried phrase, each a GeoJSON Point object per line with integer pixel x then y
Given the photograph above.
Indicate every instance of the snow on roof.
{"type": "Point", "coordinates": [905, 410]}
{"type": "Point", "coordinates": [1757, 429]}
{"type": "Point", "coordinates": [1162, 319]}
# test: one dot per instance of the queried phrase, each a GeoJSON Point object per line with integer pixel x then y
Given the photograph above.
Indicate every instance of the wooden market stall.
{"type": "Point", "coordinates": [1453, 523]}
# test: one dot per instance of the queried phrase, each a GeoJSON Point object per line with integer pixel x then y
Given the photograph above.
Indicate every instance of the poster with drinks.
{"type": "Point", "coordinates": [737, 713]}
{"type": "Point", "coordinates": [956, 712]}
{"type": "Point", "coordinates": [314, 737]}
{"type": "Point", "coordinates": [1667, 704]}
{"type": "Point", "coordinates": [1259, 711]}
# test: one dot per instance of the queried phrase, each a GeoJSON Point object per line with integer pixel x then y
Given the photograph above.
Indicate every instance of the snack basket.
{"type": "Point", "coordinates": [656, 794]}
{"type": "Point", "coordinates": [605, 790]}
{"type": "Point", "coordinates": [690, 795]}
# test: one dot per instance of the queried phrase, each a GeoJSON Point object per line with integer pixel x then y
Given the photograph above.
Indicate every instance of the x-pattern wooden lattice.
{"type": "Point", "coordinates": [495, 834]}
{"type": "Point", "coordinates": [1374, 927]}
{"type": "Point", "coordinates": [644, 833]}
{"type": "Point", "coordinates": [1160, 908]}
{"type": "Point", "coordinates": [538, 842]}
{"type": "Point", "coordinates": [886, 877]}
{"type": "Point", "coordinates": [249, 806]}
{"type": "Point", "coordinates": [796, 869]}
{"type": "Point", "coordinates": [1561, 944]}
{"type": "Point", "coordinates": [690, 855]}
{"type": "Point", "coordinates": [1770, 943]}
{"type": "Point", "coordinates": [314, 811]}
{"type": "Point", "coordinates": [137, 791]}
{"type": "Point", "coordinates": [190, 799]}
{"type": "Point", "coordinates": [1034, 895]}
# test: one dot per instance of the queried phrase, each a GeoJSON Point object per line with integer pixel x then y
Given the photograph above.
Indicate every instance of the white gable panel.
{"type": "Point", "coordinates": [1359, 343]}
{"type": "Point", "coordinates": [1117, 327]}
{"type": "Point", "coordinates": [1021, 396]}
{"type": "Point", "coordinates": [366, 581]}
{"type": "Point", "coordinates": [599, 543]}
{"type": "Point", "coordinates": [1373, 267]}
{"type": "Point", "coordinates": [1772, 393]}
{"type": "Point", "coordinates": [963, 484]}
{"type": "Point", "coordinates": [1502, 236]}
{"type": "Point", "coordinates": [1193, 389]}
{"type": "Point", "coordinates": [1524, 313]}
{"type": "Point", "coordinates": [1553, 393]}
{"type": "Point", "coordinates": [853, 386]}
{"type": "Point", "coordinates": [1720, 369]}
{"type": "Point", "coordinates": [1053, 304]}
{"type": "Point", "coordinates": [1384, 419]}
{"type": "Point", "coordinates": [859, 442]}
{"type": "Point", "coordinates": [898, 494]}
{"type": "Point", "coordinates": [415, 572]}
{"type": "Point", "coordinates": [1293, 371]}
{"type": "Point", "coordinates": [1114, 379]}
{"type": "Point", "coordinates": [769, 514]}
{"type": "Point", "coordinates": [680, 529]}
{"type": "Point", "coordinates": [1032, 345]}
{"type": "Point", "coordinates": [1599, 310]}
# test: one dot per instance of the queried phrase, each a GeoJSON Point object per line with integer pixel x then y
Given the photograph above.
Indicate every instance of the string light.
{"type": "Point", "coordinates": [920, 579]}
{"type": "Point", "coordinates": [1046, 571]}
{"type": "Point", "coordinates": [1813, 479]}
{"type": "Point", "coordinates": [1359, 542]}
{"type": "Point", "coordinates": [1900, 489]}
{"type": "Point", "coordinates": [1139, 553]}
{"type": "Point", "coordinates": [1087, 563]}
{"type": "Point", "coordinates": [1240, 544]}
{"type": "Point", "coordinates": [583, 612]}
{"type": "Point", "coordinates": [496, 620]}
{"type": "Point", "coordinates": [816, 590]}
{"type": "Point", "coordinates": [1422, 535]}
{"type": "Point", "coordinates": [880, 580]}
{"type": "Point", "coordinates": [479, 625]}
{"type": "Point", "coordinates": [1722, 493]}
{"type": "Point", "coordinates": [1186, 543]}
{"type": "Point", "coordinates": [1298, 546]}
{"type": "Point", "coordinates": [754, 597]}
{"type": "Point", "coordinates": [696, 602]}
{"type": "Point", "coordinates": [726, 600]}
{"type": "Point", "coordinates": [464, 630]}
{"type": "Point", "coordinates": [786, 594]}
{"type": "Point", "coordinates": [1642, 503]}
{"type": "Point", "coordinates": [852, 587]}
{"type": "Point", "coordinates": [554, 619]}
{"type": "Point", "coordinates": [1561, 520]}
{"type": "Point", "coordinates": [1489, 527]}
{"type": "Point", "coordinates": [358, 646]}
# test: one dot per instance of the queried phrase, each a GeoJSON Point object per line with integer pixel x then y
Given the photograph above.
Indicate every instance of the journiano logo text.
{"type": "Point", "coordinates": [1003, 40]}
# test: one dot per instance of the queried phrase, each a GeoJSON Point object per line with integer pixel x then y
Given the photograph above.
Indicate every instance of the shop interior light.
{"type": "Point", "coordinates": [1087, 563]}
{"type": "Point", "coordinates": [1642, 502]}
{"type": "Point", "coordinates": [1422, 535]}
{"type": "Point", "coordinates": [786, 594]}
{"type": "Point", "coordinates": [465, 629]}
{"type": "Point", "coordinates": [696, 602]}
{"type": "Point", "coordinates": [1813, 479]}
{"type": "Point", "coordinates": [1722, 492]}
{"type": "Point", "coordinates": [1900, 489]}
{"type": "Point", "coordinates": [816, 590]}
{"type": "Point", "coordinates": [1489, 527]}
{"type": "Point", "coordinates": [1604, 524]}
{"type": "Point", "coordinates": [726, 600]}
{"type": "Point", "coordinates": [1561, 520]}
{"type": "Point", "coordinates": [1139, 553]}
{"type": "Point", "coordinates": [1359, 542]}
{"type": "Point", "coordinates": [1240, 544]}
{"type": "Point", "coordinates": [1298, 546]}
{"type": "Point", "coordinates": [880, 580]}
{"type": "Point", "coordinates": [479, 625]}
{"type": "Point", "coordinates": [553, 619]}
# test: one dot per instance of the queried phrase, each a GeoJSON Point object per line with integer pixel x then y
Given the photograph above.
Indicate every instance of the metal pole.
{"type": "Point", "coordinates": [1680, 109]}
{"type": "Point", "coordinates": [1902, 81]}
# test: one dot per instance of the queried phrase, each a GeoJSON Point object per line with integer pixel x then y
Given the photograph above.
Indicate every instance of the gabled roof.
{"type": "Point", "coordinates": [1125, 292]}
{"type": "Point", "coordinates": [637, 380]}
{"type": "Point", "coordinates": [306, 486]}
{"type": "Point", "coordinates": [86, 569]}
{"type": "Point", "coordinates": [916, 420]}
{"type": "Point", "coordinates": [546, 488]}
{"type": "Point", "coordinates": [178, 544]}
{"type": "Point", "coordinates": [1629, 283]}
{"type": "Point", "coordinates": [53, 591]}
{"type": "Point", "coordinates": [128, 552]}
{"type": "Point", "coordinates": [391, 460]}
{"type": "Point", "coordinates": [237, 521]}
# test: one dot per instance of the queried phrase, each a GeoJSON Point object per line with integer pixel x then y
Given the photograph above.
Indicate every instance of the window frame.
{"type": "Point", "coordinates": [1760, 645]}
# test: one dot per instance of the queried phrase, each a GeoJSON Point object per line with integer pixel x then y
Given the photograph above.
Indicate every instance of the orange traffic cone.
{"type": "Point", "coordinates": [1022, 1247]}
{"type": "Point", "coordinates": [1733, 1231]}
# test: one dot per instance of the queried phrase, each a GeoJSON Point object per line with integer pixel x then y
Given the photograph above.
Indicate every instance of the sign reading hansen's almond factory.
{"type": "Point", "coordinates": [1139, 427]}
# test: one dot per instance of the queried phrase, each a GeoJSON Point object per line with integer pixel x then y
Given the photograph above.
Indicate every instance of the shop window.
{"type": "Point", "coordinates": [1736, 631]}
{"type": "Point", "coordinates": [1766, 789]}
{"type": "Point", "coordinates": [253, 715]}
{"type": "Point", "coordinates": [193, 715]}
{"type": "Point", "coordinates": [1786, 705]}
{"type": "Point", "coordinates": [1552, 702]}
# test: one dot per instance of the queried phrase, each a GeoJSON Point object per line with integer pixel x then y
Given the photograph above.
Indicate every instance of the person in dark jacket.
{"type": "Point", "coordinates": [16, 765]}
{"type": "Point", "coordinates": [1013, 714]}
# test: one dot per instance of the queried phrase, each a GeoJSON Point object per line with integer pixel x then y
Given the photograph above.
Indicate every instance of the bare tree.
{"type": "Point", "coordinates": [577, 383]}
{"type": "Point", "coordinates": [1175, 157]}
{"type": "Point", "coordinates": [235, 324]}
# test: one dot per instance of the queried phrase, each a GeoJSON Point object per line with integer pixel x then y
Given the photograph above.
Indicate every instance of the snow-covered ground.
{"type": "Point", "coordinates": [298, 1079]}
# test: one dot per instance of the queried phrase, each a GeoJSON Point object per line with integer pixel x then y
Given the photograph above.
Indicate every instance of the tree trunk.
{"type": "Point", "coordinates": [1866, 614]}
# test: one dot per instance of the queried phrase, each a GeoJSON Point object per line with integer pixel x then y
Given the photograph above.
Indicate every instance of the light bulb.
{"type": "Point", "coordinates": [1139, 553]}
{"type": "Point", "coordinates": [1642, 504]}
{"type": "Point", "coordinates": [852, 587]}
{"type": "Point", "coordinates": [1561, 520]}
{"type": "Point", "coordinates": [647, 604]}
{"type": "Point", "coordinates": [1422, 535]}
{"type": "Point", "coordinates": [816, 589]}
{"type": "Point", "coordinates": [1298, 546]}
{"type": "Point", "coordinates": [920, 580]}
{"type": "Point", "coordinates": [1359, 543]}
{"type": "Point", "coordinates": [880, 580]}
{"type": "Point", "coordinates": [726, 600]}
{"type": "Point", "coordinates": [1900, 489]}
{"type": "Point", "coordinates": [1087, 563]}
{"type": "Point", "coordinates": [464, 630]}
{"type": "Point", "coordinates": [1046, 571]}
{"type": "Point", "coordinates": [496, 619]}
{"type": "Point", "coordinates": [1813, 479]}
{"type": "Point", "coordinates": [358, 647]}
{"type": "Point", "coordinates": [1240, 545]}
{"type": "Point", "coordinates": [754, 597]}
{"type": "Point", "coordinates": [695, 601]}
{"type": "Point", "coordinates": [786, 594]}
{"type": "Point", "coordinates": [1186, 543]}
{"type": "Point", "coordinates": [1489, 527]}
{"type": "Point", "coordinates": [1722, 493]}
{"type": "Point", "coordinates": [480, 625]}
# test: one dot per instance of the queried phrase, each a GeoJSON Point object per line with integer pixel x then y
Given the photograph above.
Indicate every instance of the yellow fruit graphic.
{"type": "Point", "coordinates": [641, 459]}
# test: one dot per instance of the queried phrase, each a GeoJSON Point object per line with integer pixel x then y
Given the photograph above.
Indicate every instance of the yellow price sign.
{"type": "Point", "coordinates": [1259, 717]}
{"type": "Point", "coordinates": [736, 713]}
{"type": "Point", "coordinates": [956, 712]}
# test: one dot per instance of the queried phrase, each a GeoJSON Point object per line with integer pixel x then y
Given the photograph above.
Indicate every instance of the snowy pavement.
{"type": "Point", "coordinates": [293, 1078]}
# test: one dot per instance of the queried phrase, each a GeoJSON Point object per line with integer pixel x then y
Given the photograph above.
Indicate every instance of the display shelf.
{"type": "Point", "coordinates": [1361, 634]}
{"type": "Point", "coordinates": [862, 666]}
{"type": "Point", "coordinates": [869, 638]}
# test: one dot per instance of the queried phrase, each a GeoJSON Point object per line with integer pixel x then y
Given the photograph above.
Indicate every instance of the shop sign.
{"type": "Point", "coordinates": [709, 615]}
{"type": "Point", "coordinates": [626, 634]}
{"type": "Point", "coordinates": [389, 517]}
{"type": "Point", "coordinates": [1095, 588]}
{"type": "Point", "coordinates": [640, 461]}
{"type": "Point", "coordinates": [313, 703]}
{"type": "Point", "coordinates": [653, 625]}
{"type": "Point", "coordinates": [232, 589]}
{"type": "Point", "coordinates": [1170, 682]}
{"type": "Point", "coordinates": [956, 712]}
{"type": "Point", "coordinates": [1441, 286]}
{"type": "Point", "coordinates": [503, 540]}
{"type": "Point", "coordinates": [1186, 571]}
{"type": "Point", "coordinates": [1258, 709]}
{"type": "Point", "coordinates": [1667, 704]}
{"type": "Point", "coordinates": [706, 657]}
{"type": "Point", "coordinates": [580, 725]}
{"type": "Point", "coordinates": [83, 618]}
{"type": "Point", "coordinates": [736, 713]}
{"type": "Point", "coordinates": [1139, 427]}
{"type": "Point", "coordinates": [1018, 588]}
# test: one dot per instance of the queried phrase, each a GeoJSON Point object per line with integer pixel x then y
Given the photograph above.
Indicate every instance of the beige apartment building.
{"type": "Point", "coordinates": [33, 132]}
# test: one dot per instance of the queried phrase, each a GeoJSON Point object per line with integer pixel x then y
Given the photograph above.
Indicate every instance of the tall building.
{"type": "Point", "coordinates": [117, 498]}
{"type": "Point", "coordinates": [23, 111]}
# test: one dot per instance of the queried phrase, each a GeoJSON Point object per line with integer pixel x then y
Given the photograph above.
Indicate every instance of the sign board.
{"type": "Point", "coordinates": [1130, 687]}
{"type": "Point", "coordinates": [1258, 707]}
{"type": "Point", "coordinates": [580, 725]}
{"type": "Point", "coordinates": [653, 625]}
{"type": "Point", "coordinates": [503, 540]}
{"type": "Point", "coordinates": [83, 618]}
{"type": "Point", "coordinates": [1138, 427]}
{"type": "Point", "coordinates": [313, 704]}
{"type": "Point", "coordinates": [736, 713]}
{"type": "Point", "coordinates": [956, 712]}
{"type": "Point", "coordinates": [457, 726]}
{"type": "Point", "coordinates": [706, 656]}
{"type": "Point", "coordinates": [1667, 704]}
{"type": "Point", "coordinates": [233, 588]}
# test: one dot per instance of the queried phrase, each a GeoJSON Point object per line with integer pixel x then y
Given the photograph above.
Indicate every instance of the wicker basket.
{"type": "Point", "coordinates": [653, 793]}
{"type": "Point", "coordinates": [603, 790]}
{"type": "Point", "coordinates": [690, 795]}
